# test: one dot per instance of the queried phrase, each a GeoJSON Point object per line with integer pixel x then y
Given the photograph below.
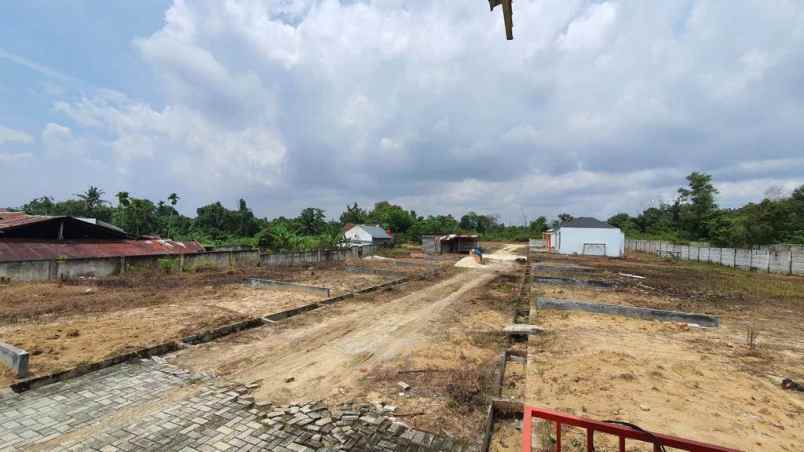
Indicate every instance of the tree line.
{"type": "Point", "coordinates": [693, 216]}
{"type": "Point", "coordinates": [216, 225]}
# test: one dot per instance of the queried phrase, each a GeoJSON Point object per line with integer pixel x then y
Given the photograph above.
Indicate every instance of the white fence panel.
{"type": "Point", "coordinates": [774, 259]}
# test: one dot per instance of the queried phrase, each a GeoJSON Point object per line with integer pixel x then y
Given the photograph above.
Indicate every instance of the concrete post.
{"type": "Point", "coordinates": [790, 264]}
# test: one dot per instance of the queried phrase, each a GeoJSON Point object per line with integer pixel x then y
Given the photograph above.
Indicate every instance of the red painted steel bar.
{"type": "Point", "coordinates": [621, 431]}
{"type": "Point", "coordinates": [558, 435]}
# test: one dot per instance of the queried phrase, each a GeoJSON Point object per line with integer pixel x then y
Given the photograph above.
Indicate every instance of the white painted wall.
{"type": "Point", "coordinates": [358, 234]}
{"type": "Point", "coordinates": [572, 240]}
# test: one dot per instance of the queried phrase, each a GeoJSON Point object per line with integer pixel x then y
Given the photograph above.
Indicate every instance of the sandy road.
{"type": "Point", "coordinates": [326, 358]}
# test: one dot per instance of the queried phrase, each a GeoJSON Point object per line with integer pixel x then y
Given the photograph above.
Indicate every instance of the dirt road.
{"type": "Point", "coordinates": [324, 359]}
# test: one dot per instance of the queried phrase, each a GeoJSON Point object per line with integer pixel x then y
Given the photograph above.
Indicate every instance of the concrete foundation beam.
{"type": "Point", "coordinates": [258, 283]}
{"type": "Point", "coordinates": [629, 311]}
{"type": "Point", "coordinates": [522, 330]}
{"type": "Point", "coordinates": [373, 271]}
{"type": "Point", "coordinates": [15, 358]}
{"type": "Point", "coordinates": [571, 281]}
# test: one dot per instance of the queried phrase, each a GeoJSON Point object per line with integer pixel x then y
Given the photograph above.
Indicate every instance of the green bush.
{"type": "Point", "coordinates": [167, 265]}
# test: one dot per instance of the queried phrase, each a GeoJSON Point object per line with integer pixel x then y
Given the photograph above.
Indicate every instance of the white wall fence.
{"type": "Point", "coordinates": [774, 259]}
{"type": "Point", "coordinates": [100, 267]}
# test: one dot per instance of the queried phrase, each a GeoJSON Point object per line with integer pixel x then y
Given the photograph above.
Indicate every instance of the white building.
{"type": "Point", "coordinates": [361, 234]}
{"type": "Point", "coordinates": [590, 237]}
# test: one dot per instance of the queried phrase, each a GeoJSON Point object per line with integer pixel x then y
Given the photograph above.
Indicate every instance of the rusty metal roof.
{"type": "Point", "coordinates": [22, 249]}
{"type": "Point", "coordinates": [10, 220]}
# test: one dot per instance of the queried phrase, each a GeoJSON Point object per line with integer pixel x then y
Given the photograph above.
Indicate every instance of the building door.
{"type": "Point", "coordinates": [594, 249]}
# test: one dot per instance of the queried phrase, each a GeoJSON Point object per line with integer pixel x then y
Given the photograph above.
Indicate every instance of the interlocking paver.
{"type": "Point", "coordinates": [218, 417]}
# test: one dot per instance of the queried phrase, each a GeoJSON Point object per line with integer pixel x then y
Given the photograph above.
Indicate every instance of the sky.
{"type": "Point", "coordinates": [596, 107]}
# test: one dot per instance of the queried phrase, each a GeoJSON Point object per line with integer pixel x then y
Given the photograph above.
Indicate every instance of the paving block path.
{"type": "Point", "coordinates": [153, 406]}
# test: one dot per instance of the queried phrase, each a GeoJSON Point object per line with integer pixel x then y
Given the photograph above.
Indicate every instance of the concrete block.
{"type": "Point", "coordinates": [15, 358]}
{"type": "Point", "coordinates": [629, 311]}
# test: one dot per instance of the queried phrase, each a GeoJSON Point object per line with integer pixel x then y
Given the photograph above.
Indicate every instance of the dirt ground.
{"type": "Point", "coordinates": [704, 384]}
{"type": "Point", "coordinates": [66, 324]}
{"type": "Point", "coordinates": [442, 339]}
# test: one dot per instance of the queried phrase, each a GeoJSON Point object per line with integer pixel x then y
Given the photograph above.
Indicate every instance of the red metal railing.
{"type": "Point", "coordinates": [622, 431]}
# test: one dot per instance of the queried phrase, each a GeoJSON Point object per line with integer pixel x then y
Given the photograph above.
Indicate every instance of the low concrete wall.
{"type": "Point", "coordinates": [101, 267]}
{"type": "Point", "coordinates": [15, 358]}
{"type": "Point", "coordinates": [628, 311]}
{"type": "Point", "coordinates": [260, 282]}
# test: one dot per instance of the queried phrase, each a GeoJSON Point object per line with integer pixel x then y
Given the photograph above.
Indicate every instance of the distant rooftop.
{"type": "Point", "coordinates": [375, 231]}
{"type": "Point", "coordinates": [587, 222]}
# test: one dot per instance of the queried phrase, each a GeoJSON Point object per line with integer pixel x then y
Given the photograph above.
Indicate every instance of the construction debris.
{"type": "Point", "coordinates": [791, 385]}
{"type": "Point", "coordinates": [629, 275]}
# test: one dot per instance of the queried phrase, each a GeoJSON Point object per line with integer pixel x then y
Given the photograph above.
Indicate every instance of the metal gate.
{"type": "Point", "coordinates": [594, 249]}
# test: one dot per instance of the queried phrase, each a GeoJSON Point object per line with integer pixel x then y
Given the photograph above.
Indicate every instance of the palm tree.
{"type": "Point", "coordinates": [173, 198]}
{"type": "Point", "coordinates": [122, 199]}
{"type": "Point", "coordinates": [92, 197]}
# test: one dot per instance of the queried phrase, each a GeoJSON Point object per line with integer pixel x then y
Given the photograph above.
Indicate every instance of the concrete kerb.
{"type": "Point", "coordinates": [629, 311]}
{"type": "Point", "coordinates": [35, 382]}
{"type": "Point", "coordinates": [170, 347]}
{"type": "Point", "coordinates": [373, 271]}
{"type": "Point", "coordinates": [567, 280]}
{"type": "Point", "coordinates": [500, 408]}
{"type": "Point", "coordinates": [15, 358]}
{"type": "Point", "coordinates": [259, 282]}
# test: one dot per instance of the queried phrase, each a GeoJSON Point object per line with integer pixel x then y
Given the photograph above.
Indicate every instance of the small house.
{"type": "Point", "coordinates": [589, 237]}
{"type": "Point", "coordinates": [365, 234]}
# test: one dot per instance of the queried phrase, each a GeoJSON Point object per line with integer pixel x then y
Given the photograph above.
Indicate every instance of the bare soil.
{"type": "Point", "coordinates": [442, 339]}
{"type": "Point", "coordinates": [66, 324]}
{"type": "Point", "coordinates": [704, 384]}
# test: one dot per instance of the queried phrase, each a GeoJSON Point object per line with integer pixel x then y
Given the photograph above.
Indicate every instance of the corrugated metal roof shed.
{"type": "Point", "coordinates": [22, 225]}
{"type": "Point", "coordinates": [13, 219]}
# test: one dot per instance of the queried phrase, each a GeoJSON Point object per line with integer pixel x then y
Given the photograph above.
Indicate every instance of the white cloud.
{"type": "Point", "coordinates": [8, 135]}
{"type": "Point", "coordinates": [596, 106]}
{"type": "Point", "coordinates": [178, 139]}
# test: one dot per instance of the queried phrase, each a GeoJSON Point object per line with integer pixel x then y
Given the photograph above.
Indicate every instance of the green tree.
{"type": "Point", "coordinates": [697, 206]}
{"type": "Point", "coordinates": [137, 217]}
{"type": "Point", "coordinates": [624, 222]}
{"type": "Point", "coordinates": [93, 197]}
{"type": "Point", "coordinates": [565, 218]}
{"type": "Point", "coordinates": [122, 198]}
{"type": "Point", "coordinates": [312, 221]}
{"type": "Point", "coordinates": [354, 215]}
{"type": "Point", "coordinates": [173, 198]}
{"type": "Point", "coordinates": [393, 217]}
{"type": "Point", "coordinates": [538, 226]}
